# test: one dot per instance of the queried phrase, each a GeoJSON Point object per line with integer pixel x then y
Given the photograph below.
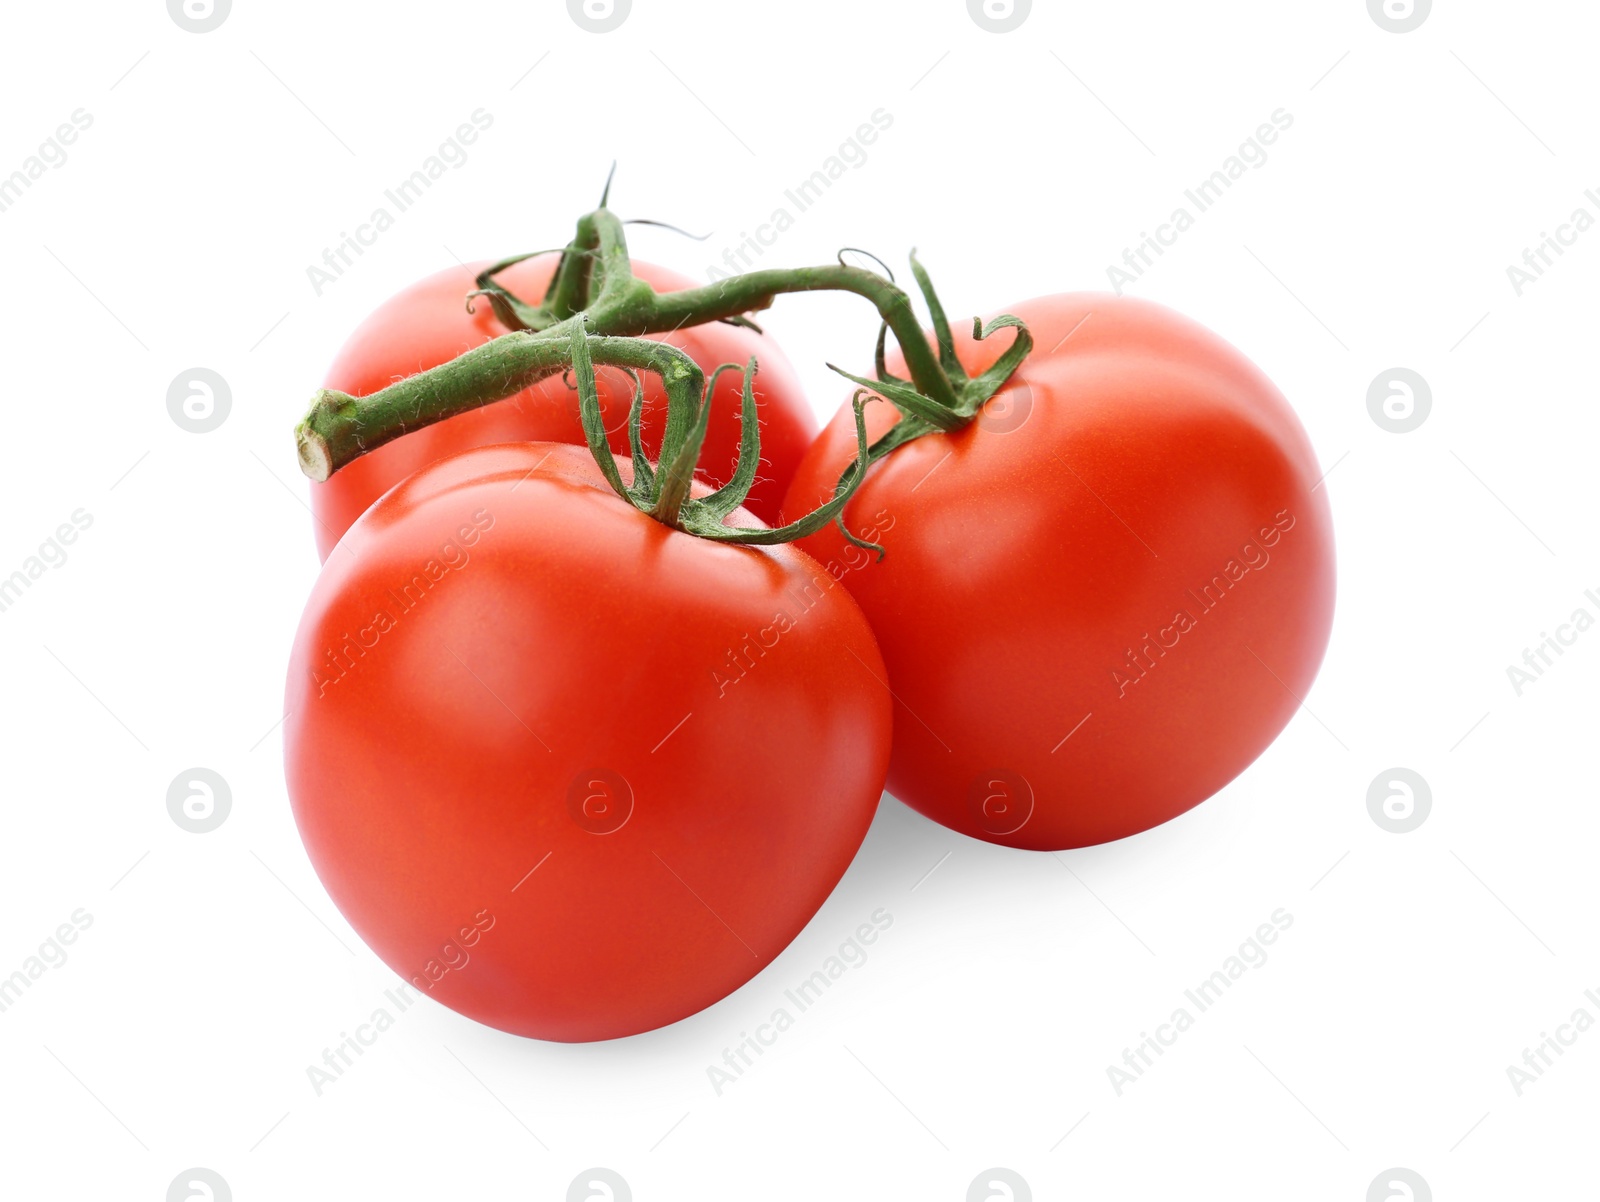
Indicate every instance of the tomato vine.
{"type": "Point", "coordinates": [596, 310]}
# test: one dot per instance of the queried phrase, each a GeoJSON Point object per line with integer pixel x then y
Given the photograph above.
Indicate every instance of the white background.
{"type": "Point", "coordinates": [978, 1034]}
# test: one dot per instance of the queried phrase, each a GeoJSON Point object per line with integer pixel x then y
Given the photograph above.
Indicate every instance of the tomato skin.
{"type": "Point", "coordinates": [1039, 559]}
{"type": "Point", "coordinates": [428, 324]}
{"type": "Point", "coordinates": [552, 636]}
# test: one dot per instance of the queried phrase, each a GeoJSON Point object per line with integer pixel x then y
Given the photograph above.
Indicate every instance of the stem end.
{"type": "Point", "coordinates": [312, 448]}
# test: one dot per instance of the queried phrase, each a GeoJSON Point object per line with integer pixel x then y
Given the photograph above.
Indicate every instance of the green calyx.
{"type": "Point", "coordinates": [921, 414]}
{"type": "Point", "coordinates": [664, 490]}
{"type": "Point", "coordinates": [595, 310]}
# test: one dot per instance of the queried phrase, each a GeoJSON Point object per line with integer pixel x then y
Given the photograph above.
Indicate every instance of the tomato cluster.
{"type": "Point", "coordinates": [616, 709]}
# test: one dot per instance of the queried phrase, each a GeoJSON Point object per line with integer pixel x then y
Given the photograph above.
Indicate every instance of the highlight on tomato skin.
{"type": "Point", "coordinates": [568, 771]}
{"type": "Point", "coordinates": [427, 324]}
{"type": "Point", "coordinates": [1102, 599]}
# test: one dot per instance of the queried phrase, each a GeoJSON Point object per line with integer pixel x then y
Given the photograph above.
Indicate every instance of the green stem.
{"type": "Point", "coordinates": [594, 297]}
{"type": "Point", "coordinates": [569, 286]}
{"type": "Point", "coordinates": [340, 428]}
{"type": "Point", "coordinates": [617, 285]}
{"type": "Point", "coordinates": [756, 290]}
{"type": "Point", "coordinates": [595, 274]}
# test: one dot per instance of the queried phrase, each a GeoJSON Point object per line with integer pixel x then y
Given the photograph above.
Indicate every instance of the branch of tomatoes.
{"type": "Point", "coordinates": [596, 307]}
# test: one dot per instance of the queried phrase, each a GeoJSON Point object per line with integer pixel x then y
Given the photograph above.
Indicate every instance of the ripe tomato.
{"type": "Point", "coordinates": [1103, 598]}
{"type": "Point", "coordinates": [569, 771]}
{"type": "Point", "coordinates": [428, 324]}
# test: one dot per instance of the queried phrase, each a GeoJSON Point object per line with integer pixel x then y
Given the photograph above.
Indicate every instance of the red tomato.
{"type": "Point", "coordinates": [428, 324]}
{"type": "Point", "coordinates": [570, 772]}
{"type": "Point", "coordinates": [1103, 598]}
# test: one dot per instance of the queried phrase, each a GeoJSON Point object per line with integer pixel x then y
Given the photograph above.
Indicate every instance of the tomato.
{"type": "Point", "coordinates": [428, 324]}
{"type": "Point", "coordinates": [1103, 598]}
{"type": "Point", "coordinates": [571, 772]}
